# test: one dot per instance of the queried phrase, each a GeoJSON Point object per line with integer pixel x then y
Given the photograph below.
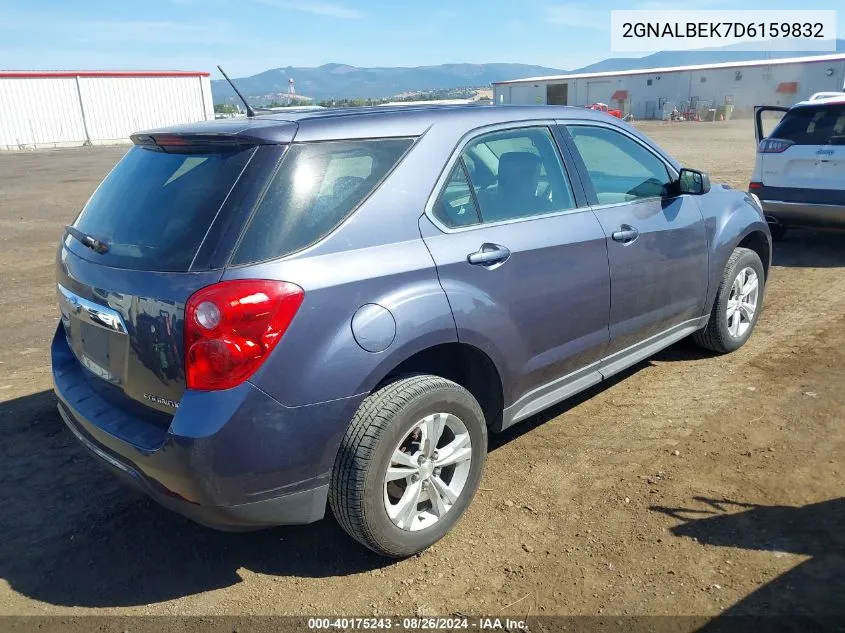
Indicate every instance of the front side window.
{"type": "Point", "coordinates": [315, 188]}
{"type": "Point", "coordinates": [620, 169]}
{"type": "Point", "coordinates": [517, 174]}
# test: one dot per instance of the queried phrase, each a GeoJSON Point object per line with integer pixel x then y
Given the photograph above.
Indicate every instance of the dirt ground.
{"type": "Point", "coordinates": [692, 484]}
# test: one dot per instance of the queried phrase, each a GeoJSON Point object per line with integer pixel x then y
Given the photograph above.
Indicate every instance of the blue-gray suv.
{"type": "Point", "coordinates": [261, 318]}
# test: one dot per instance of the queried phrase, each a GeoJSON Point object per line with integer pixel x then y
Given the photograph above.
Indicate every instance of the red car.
{"type": "Point", "coordinates": [602, 107]}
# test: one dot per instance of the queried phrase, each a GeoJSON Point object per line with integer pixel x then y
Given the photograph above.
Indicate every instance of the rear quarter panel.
{"type": "Point", "coordinates": [318, 358]}
{"type": "Point", "coordinates": [376, 256]}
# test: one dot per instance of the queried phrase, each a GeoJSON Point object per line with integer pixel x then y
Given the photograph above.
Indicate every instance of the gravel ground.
{"type": "Point", "coordinates": [691, 484]}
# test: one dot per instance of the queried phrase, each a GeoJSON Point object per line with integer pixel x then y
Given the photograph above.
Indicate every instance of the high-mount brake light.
{"type": "Point", "coordinates": [232, 326]}
{"type": "Point", "coordinates": [189, 142]}
{"type": "Point", "coordinates": [168, 140]}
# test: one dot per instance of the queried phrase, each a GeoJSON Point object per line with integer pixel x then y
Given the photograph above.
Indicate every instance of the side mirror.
{"type": "Point", "coordinates": [693, 182]}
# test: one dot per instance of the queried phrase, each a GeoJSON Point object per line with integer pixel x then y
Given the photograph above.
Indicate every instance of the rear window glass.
{"type": "Point", "coordinates": [813, 126]}
{"type": "Point", "coordinates": [154, 208]}
{"type": "Point", "coordinates": [316, 187]}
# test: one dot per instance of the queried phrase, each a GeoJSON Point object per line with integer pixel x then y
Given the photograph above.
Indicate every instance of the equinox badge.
{"type": "Point", "coordinates": [159, 400]}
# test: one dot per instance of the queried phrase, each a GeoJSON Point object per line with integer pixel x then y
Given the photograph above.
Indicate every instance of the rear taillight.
{"type": "Point", "coordinates": [232, 326]}
{"type": "Point", "coordinates": [773, 146]}
{"type": "Point", "coordinates": [754, 185]}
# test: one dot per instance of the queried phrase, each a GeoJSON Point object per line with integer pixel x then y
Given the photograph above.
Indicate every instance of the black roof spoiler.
{"type": "Point", "coordinates": [221, 133]}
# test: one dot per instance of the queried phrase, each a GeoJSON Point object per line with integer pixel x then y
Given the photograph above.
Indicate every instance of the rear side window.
{"type": "Point", "coordinates": [154, 208]}
{"type": "Point", "coordinates": [517, 174]}
{"type": "Point", "coordinates": [813, 126]}
{"type": "Point", "coordinates": [456, 205]}
{"type": "Point", "coordinates": [315, 188]}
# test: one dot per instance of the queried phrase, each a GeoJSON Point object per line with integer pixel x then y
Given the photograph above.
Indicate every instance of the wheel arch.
{"type": "Point", "coordinates": [461, 363]}
{"type": "Point", "coordinates": [743, 226]}
{"type": "Point", "coordinates": [760, 243]}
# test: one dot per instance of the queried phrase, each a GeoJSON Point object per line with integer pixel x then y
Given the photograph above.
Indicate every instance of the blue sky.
{"type": "Point", "coordinates": [248, 36]}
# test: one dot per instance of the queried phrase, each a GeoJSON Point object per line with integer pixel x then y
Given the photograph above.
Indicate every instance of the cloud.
{"type": "Point", "coordinates": [579, 16]}
{"type": "Point", "coordinates": [329, 9]}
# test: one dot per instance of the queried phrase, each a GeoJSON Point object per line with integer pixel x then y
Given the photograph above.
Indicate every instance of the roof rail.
{"type": "Point", "coordinates": [825, 95]}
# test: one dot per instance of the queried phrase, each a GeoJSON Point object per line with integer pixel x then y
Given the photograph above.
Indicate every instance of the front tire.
{"type": "Point", "coordinates": [737, 306]}
{"type": "Point", "coordinates": [409, 464]}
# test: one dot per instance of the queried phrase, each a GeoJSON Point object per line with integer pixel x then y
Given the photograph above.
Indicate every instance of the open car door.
{"type": "Point", "coordinates": [770, 122]}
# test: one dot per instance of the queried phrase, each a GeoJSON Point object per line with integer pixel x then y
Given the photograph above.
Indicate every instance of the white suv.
{"type": "Point", "coordinates": [799, 175]}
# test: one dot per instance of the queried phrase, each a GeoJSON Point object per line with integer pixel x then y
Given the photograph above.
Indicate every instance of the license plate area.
{"type": "Point", "coordinates": [96, 334]}
{"type": "Point", "coordinates": [94, 353]}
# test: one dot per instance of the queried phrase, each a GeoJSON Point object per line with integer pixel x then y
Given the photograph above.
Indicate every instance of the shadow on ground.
{"type": "Point", "coordinates": [810, 249]}
{"type": "Point", "coordinates": [813, 588]}
{"type": "Point", "coordinates": [74, 535]}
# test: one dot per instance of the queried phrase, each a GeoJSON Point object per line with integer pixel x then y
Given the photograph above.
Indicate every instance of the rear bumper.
{"type": "Point", "coordinates": [305, 506]}
{"type": "Point", "coordinates": [805, 214]}
{"type": "Point", "coordinates": [231, 460]}
{"type": "Point", "coordinates": [803, 207]}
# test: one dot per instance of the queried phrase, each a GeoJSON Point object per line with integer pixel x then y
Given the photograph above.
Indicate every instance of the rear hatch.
{"type": "Point", "coordinates": [807, 149]}
{"type": "Point", "coordinates": [165, 220]}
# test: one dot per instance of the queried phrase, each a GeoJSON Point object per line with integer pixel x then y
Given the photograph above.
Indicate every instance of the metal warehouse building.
{"type": "Point", "coordinates": [651, 93]}
{"type": "Point", "coordinates": [69, 108]}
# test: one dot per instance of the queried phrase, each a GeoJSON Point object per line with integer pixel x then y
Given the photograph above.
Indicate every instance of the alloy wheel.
{"type": "Point", "coordinates": [742, 302]}
{"type": "Point", "coordinates": [428, 471]}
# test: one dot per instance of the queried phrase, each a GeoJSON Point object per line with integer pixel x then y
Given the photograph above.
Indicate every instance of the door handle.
{"type": "Point", "coordinates": [626, 234]}
{"type": "Point", "coordinates": [488, 255]}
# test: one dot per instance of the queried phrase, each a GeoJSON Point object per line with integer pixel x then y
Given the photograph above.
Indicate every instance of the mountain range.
{"type": "Point", "coordinates": [338, 81]}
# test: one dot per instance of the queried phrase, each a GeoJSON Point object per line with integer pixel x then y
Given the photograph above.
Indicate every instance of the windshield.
{"type": "Point", "coordinates": [154, 208]}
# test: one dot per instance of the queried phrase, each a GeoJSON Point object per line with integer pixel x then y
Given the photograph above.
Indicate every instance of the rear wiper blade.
{"type": "Point", "coordinates": [87, 240]}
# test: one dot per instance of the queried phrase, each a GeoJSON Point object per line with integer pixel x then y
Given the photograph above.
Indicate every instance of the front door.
{"type": "Point", "coordinates": [656, 241]}
{"type": "Point", "coordinates": [523, 265]}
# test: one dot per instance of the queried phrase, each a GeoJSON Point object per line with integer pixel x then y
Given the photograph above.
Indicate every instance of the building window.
{"type": "Point", "coordinates": [648, 82]}
{"type": "Point", "coordinates": [556, 94]}
{"type": "Point", "coordinates": [738, 75]}
{"type": "Point", "coordinates": [703, 80]}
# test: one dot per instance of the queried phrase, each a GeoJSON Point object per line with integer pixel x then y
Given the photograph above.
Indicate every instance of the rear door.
{"type": "Point", "coordinates": [806, 150]}
{"type": "Point", "coordinates": [656, 241]}
{"type": "Point", "coordinates": [523, 262]}
{"type": "Point", "coordinates": [167, 215]}
{"type": "Point", "coordinates": [766, 119]}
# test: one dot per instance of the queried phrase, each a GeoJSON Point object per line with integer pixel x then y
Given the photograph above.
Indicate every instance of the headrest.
{"type": "Point", "coordinates": [519, 170]}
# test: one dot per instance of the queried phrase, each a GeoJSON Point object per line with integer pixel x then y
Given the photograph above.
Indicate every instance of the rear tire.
{"type": "Point", "coordinates": [387, 439]}
{"type": "Point", "coordinates": [737, 306]}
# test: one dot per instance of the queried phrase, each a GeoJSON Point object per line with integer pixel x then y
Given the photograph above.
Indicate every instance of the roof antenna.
{"type": "Point", "coordinates": [249, 111]}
